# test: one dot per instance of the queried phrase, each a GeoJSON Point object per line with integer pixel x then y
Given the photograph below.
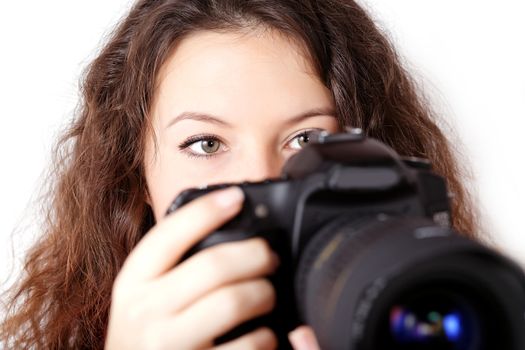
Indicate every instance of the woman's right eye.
{"type": "Point", "coordinates": [201, 146]}
{"type": "Point", "coordinates": [207, 146]}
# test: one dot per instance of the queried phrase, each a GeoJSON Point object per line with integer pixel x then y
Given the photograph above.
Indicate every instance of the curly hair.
{"type": "Point", "coordinates": [97, 210]}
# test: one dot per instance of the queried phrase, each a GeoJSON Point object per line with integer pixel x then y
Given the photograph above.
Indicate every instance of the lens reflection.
{"type": "Point", "coordinates": [409, 326]}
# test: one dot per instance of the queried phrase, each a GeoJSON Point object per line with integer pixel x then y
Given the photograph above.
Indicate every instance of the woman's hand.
{"type": "Point", "coordinates": [158, 306]}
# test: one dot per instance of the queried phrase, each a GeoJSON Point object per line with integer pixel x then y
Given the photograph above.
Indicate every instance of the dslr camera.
{"type": "Point", "coordinates": [368, 257]}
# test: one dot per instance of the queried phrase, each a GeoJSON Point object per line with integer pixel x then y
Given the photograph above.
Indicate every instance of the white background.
{"type": "Point", "coordinates": [470, 55]}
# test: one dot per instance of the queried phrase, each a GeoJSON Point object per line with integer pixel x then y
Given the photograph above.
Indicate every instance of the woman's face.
{"type": "Point", "coordinates": [231, 107]}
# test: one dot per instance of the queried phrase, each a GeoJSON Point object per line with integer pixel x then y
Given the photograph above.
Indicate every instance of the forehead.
{"type": "Point", "coordinates": [260, 70]}
{"type": "Point", "coordinates": [257, 46]}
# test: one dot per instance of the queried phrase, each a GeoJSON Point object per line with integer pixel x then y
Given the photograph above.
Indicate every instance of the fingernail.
{"type": "Point", "coordinates": [303, 338]}
{"type": "Point", "coordinates": [229, 197]}
{"type": "Point", "coordinates": [298, 340]}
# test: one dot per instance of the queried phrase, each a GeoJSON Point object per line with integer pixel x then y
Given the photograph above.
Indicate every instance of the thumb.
{"type": "Point", "coordinates": [303, 338]}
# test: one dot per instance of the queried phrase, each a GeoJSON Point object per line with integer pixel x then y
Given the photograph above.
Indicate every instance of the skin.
{"type": "Point", "coordinates": [255, 85]}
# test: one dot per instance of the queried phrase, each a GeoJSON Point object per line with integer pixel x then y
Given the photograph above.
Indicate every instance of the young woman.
{"type": "Point", "coordinates": [189, 93]}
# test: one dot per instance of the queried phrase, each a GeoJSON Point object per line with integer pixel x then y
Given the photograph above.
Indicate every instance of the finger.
{"type": "Point", "coordinates": [262, 338]}
{"type": "Point", "coordinates": [303, 338]}
{"type": "Point", "coordinates": [165, 244]}
{"type": "Point", "coordinates": [222, 310]}
{"type": "Point", "coordinates": [220, 265]}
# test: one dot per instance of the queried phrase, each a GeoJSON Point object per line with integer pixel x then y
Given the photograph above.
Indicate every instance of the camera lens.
{"type": "Point", "coordinates": [371, 283]}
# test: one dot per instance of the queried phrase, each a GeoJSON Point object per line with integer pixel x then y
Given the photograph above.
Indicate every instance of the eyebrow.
{"type": "Point", "coordinates": [212, 119]}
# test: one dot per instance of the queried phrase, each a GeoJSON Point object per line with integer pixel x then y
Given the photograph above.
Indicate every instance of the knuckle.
{"type": "Point", "coordinates": [137, 312]}
{"type": "Point", "coordinates": [214, 261]}
{"type": "Point", "coordinates": [233, 303]}
{"type": "Point", "coordinates": [266, 288]}
{"type": "Point", "coordinates": [262, 339]}
{"type": "Point", "coordinates": [253, 343]}
{"type": "Point", "coordinates": [133, 314]}
{"type": "Point", "coordinates": [135, 306]}
{"type": "Point", "coordinates": [262, 251]}
{"type": "Point", "coordinates": [207, 204]}
{"type": "Point", "coordinates": [264, 245]}
{"type": "Point", "coordinates": [270, 339]}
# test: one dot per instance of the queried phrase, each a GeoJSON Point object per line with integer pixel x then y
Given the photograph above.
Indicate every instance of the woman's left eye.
{"type": "Point", "coordinates": [300, 140]}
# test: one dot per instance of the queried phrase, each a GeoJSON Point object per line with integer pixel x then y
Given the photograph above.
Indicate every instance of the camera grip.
{"type": "Point", "coordinates": [281, 319]}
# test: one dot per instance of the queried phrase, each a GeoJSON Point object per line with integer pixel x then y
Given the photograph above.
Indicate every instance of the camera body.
{"type": "Point", "coordinates": [357, 229]}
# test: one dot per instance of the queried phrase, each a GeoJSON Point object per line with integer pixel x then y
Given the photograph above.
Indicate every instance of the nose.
{"type": "Point", "coordinates": [258, 167]}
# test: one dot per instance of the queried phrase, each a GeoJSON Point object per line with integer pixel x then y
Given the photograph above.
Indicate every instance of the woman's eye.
{"type": "Point", "coordinates": [299, 141]}
{"type": "Point", "coordinates": [205, 146]}
{"type": "Point", "coordinates": [201, 146]}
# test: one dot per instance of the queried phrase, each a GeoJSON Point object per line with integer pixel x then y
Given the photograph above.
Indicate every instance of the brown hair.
{"type": "Point", "coordinates": [97, 211]}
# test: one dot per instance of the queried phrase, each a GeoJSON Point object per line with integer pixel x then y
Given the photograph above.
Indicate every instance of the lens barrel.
{"type": "Point", "coordinates": [396, 283]}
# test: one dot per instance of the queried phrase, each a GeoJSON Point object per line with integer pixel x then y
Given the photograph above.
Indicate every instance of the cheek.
{"type": "Point", "coordinates": [165, 181]}
{"type": "Point", "coordinates": [162, 179]}
{"type": "Point", "coordinates": [170, 174]}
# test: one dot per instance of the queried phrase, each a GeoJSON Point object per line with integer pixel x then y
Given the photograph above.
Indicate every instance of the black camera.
{"type": "Point", "coordinates": [367, 255]}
